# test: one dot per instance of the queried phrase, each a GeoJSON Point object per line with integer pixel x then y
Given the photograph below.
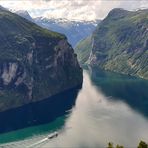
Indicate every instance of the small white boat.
{"type": "Point", "coordinates": [53, 135]}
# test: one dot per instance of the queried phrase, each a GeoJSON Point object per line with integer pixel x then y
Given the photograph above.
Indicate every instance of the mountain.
{"type": "Point", "coordinates": [74, 30]}
{"type": "Point", "coordinates": [2, 8]}
{"type": "Point", "coordinates": [120, 43]}
{"type": "Point", "coordinates": [83, 49]}
{"type": "Point", "coordinates": [25, 15]}
{"type": "Point", "coordinates": [35, 63]}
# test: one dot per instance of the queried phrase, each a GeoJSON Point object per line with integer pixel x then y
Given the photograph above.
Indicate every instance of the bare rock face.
{"type": "Point", "coordinates": [34, 62]}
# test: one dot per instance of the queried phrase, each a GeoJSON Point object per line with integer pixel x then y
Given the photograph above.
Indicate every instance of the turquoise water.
{"type": "Point", "coordinates": [32, 131]}
{"type": "Point", "coordinates": [109, 107]}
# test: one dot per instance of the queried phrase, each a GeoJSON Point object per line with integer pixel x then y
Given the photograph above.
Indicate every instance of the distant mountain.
{"type": "Point", "coordinates": [35, 63]}
{"type": "Point", "coordinates": [2, 8]}
{"type": "Point", "coordinates": [120, 43]}
{"type": "Point", "coordinates": [25, 15]}
{"type": "Point", "coordinates": [74, 30]}
{"type": "Point", "coordinates": [83, 49]}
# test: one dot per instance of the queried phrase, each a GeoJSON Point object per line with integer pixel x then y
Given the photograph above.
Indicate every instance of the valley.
{"type": "Point", "coordinates": [67, 82]}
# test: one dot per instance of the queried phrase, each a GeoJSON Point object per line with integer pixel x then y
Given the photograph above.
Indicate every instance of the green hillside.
{"type": "Point", "coordinates": [83, 49]}
{"type": "Point", "coordinates": [121, 43]}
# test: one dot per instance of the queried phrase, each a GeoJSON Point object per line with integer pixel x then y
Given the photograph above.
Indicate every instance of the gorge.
{"type": "Point", "coordinates": [98, 99]}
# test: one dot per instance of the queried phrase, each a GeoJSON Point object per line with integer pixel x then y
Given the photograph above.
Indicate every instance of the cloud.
{"type": "Point", "coordinates": [72, 9]}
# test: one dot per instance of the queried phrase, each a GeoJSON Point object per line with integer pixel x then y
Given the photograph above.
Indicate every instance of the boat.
{"type": "Point", "coordinates": [52, 135]}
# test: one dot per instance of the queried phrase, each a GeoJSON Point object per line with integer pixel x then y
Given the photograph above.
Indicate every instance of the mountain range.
{"type": "Point", "coordinates": [74, 30]}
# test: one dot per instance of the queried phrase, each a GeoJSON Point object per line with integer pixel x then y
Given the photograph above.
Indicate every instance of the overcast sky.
{"type": "Point", "coordinates": [72, 9]}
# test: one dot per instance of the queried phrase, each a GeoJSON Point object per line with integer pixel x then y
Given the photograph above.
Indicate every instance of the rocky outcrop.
{"type": "Point", "coordinates": [34, 63]}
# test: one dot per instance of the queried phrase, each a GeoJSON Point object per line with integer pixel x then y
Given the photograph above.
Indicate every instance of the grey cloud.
{"type": "Point", "coordinates": [73, 9]}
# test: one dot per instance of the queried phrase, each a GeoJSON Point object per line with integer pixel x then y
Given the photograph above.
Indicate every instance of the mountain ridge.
{"type": "Point", "coordinates": [24, 14]}
{"type": "Point", "coordinates": [75, 30]}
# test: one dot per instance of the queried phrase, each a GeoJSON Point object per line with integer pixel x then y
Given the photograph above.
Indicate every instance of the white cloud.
{"type": "Point", "coordinates": [72, 9]}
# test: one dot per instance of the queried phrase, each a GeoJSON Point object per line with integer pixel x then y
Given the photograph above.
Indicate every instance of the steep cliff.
{"type": "Point", "coordinates": [34, 63]}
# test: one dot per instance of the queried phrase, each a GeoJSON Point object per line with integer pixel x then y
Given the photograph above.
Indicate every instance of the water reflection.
{"type": "Point", "coordinates": [96, 120]}
{"type": "Point", "coordinates": [38, 113]}
{"type": "Point", "coordinates": [132, 90]}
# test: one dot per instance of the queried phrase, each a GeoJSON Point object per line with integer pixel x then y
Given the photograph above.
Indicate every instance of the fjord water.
{"type": "Point", "coordinates": [109, 107]}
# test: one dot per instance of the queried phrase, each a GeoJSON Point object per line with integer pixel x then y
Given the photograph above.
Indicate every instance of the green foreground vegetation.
{"type": "Point", "coordinates": [142, 144]}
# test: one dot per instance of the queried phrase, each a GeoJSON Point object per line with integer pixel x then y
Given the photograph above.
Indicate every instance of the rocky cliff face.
{"type": "Point", "coordinates": [34, 63]}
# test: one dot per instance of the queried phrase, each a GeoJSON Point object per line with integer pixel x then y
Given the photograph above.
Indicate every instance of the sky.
{"type": "Point", "coordinates": [72, 9]}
